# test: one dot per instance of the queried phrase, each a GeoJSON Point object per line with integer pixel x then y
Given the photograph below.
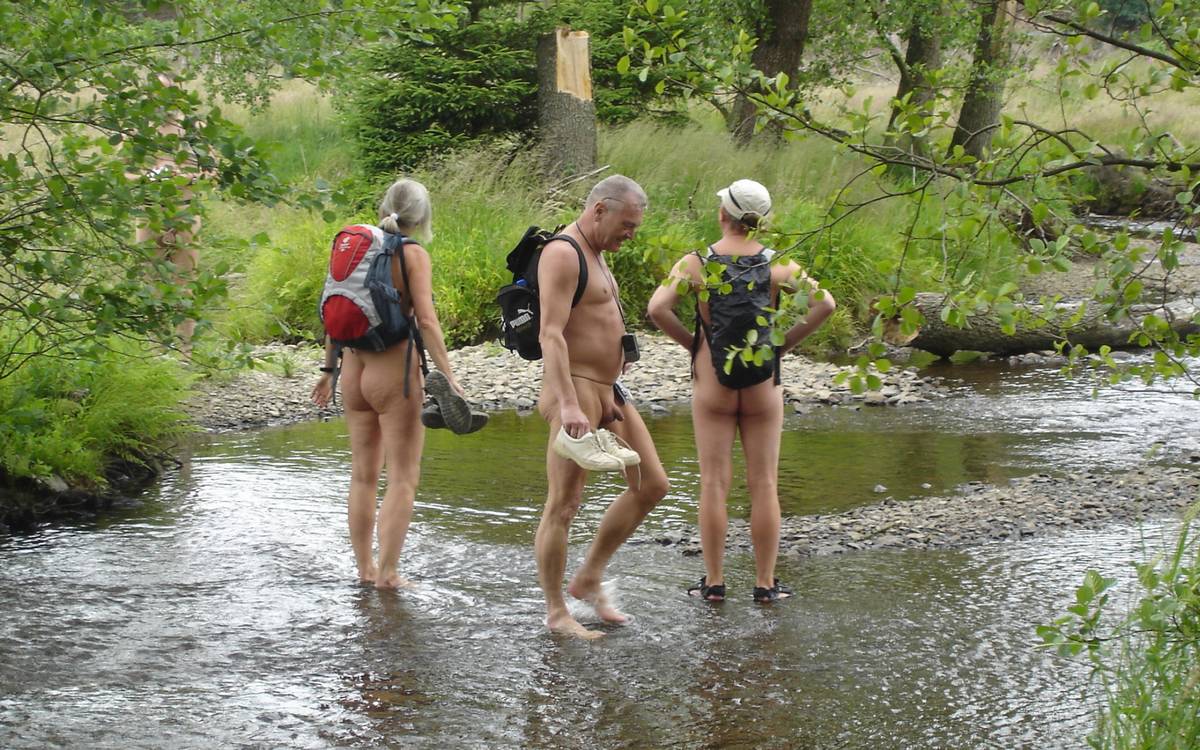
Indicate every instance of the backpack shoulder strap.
{"type": "Point", "coordinates": [583, 272]}
{"type": "Point", "coordinates": [414, 331]}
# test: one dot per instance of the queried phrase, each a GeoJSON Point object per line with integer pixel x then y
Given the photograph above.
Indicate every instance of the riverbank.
{"type": "Point", "coordinates": [498, 380]}
{"type": "Point", "coordinates": [1027, 507]}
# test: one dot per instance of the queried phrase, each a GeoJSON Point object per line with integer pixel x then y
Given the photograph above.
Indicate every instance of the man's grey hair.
{"type": "Point", "coordinates": [617, 188]}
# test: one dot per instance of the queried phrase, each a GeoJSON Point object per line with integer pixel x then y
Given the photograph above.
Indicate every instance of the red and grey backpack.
{"type": "Point", "coordinates": [360, 307]}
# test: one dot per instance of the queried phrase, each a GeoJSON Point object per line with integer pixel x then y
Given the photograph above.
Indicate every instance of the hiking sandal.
{"type": "Point", "coordinates": [714, 593]}
{"type": "Point", "coordinates": [764, 595]}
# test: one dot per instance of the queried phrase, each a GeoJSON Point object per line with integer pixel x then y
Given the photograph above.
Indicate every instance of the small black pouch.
{"type": "Point", "coordinates": [629, 346]}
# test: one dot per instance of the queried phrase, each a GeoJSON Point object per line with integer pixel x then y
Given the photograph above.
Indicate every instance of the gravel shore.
{"type": "Point", "coordinates": [498, 380]}
{"type": "Point", "coordinates": [1034, 506]}
{"type": "Point", "coordinates": [1039, 505]}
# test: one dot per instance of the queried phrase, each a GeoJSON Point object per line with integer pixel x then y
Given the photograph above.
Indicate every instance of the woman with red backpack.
{"type": "Point", "coordinates": [377, 309]}
{"type": "Point", "coordinates": [732, 394]}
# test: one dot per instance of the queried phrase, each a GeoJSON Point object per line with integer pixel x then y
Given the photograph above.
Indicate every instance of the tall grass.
{"type": "Point", "coordinates": [74, 422]}
{"type": "Point", "coordinates": [1147, 660]}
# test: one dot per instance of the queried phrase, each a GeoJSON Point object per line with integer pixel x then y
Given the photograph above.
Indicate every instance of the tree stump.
{"type": "Point", "coordinates": [566, 113]}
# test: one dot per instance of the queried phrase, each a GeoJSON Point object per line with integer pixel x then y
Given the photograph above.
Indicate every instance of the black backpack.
{"type": "Point", "coordinates": [737, 312]}
{"type": "Point", "coordinates": [520, 309]}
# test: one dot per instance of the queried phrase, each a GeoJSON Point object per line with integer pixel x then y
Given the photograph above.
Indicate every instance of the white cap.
{"type": "Point", "coordinates": [745, 198]}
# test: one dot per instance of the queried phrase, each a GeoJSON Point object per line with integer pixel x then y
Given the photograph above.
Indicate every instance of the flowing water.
{"type": "Point", "coordinates": [219, 608]}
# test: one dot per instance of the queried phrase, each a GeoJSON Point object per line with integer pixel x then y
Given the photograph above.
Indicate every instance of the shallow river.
{"type": "Point", "coordinates": [219, 609]}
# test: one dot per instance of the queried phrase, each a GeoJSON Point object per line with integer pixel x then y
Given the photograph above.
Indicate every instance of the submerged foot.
{"type": "Point", "coordinates": [593, 593]}
{"type": "Point", "coordinates": [566, 625]}
{"type": "Point", "coordinates": [392, 582]}
{"type": "Point", "coordinates": [367, 575]}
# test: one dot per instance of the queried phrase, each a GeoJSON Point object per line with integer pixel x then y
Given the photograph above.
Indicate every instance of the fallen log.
{"type": "Point", "coordinates": [983, 332]}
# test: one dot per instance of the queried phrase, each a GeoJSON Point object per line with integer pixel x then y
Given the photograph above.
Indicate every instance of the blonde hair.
{"type": "Point", "coordinates": [405, 209]}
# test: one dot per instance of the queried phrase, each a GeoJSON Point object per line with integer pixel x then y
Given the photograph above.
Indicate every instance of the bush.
{"type": "Point", "coordinates": [78, 420]}
{"type": "Point", "coordinates": [417, 98]}
{"type": "Point", "coordinates": [278, 298]}
{"type": "Point", "coordinates": [1148, 659]}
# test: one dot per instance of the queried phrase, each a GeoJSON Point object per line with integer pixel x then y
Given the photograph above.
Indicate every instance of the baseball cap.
{"type": "Point", "coordinates": [744, 198]}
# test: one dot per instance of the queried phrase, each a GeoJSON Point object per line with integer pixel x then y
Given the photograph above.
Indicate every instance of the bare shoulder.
{"type": "Point", "coordinates": [689, 268]}
{"type": "Point", "coordinates": [415, 253]}
{"type": "Point", "coordinates": [559, 257]}
{"type": "Point", "coordinates": [788, 274]}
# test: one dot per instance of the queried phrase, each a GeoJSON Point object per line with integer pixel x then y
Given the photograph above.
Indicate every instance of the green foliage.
{"type": "Point", "coordinates": [1145, 658]}
{"type": "Point", "coordinates": [979, 221]}
{"type": "Point", "coordinates": [278, 299]}
{"type": "Point", "coordinates": [73, 420]}
{"type": "Point", "coordinates": [418, 99]}
{"type": "Point", "coordinates": [618, 97]}
{"type": "Point", "coordinates": [83, 103]}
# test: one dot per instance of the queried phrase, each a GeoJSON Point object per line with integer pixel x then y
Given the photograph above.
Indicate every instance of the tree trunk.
{"type": "Point", "coordinates": [980, 111]}
{"type": "Point", "coordinates": [780, 46]}
{"type": "Point", "coordinates": [983, 333]}
{"type": "Point", "coordinates": [566, 113]}
{"type": "Point", "coordinates": [924, 54]}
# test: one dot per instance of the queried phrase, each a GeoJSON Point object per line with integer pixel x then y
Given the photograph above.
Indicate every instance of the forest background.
{"type": "Point", "coordinates": [947, 146]}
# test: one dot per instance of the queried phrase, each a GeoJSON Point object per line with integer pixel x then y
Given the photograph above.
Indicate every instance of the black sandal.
{"type": "Point", "coordinates": [764, 595]}
{"type": "Point", "coordinates": [714, 593]}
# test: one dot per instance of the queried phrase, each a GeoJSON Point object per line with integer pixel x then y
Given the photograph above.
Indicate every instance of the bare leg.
{"type": "Point", "coordinates": [623, 516]}
{"type": "Point", "coordinates": [761, 424]}
{"type": "Point", "coordinates": [565, 482]}
{"type": "Point", "coordinates": [177, 246]}
{"type": "Point", "coordinates": [403, 439]}
{"type": "Point", "coordinates": [366, 460]}
{"type": "Point", "coordinates": [714, 420]}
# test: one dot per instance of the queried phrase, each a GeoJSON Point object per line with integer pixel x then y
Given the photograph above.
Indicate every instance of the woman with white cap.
{"type": "Point", "coordinates": [733, 394]}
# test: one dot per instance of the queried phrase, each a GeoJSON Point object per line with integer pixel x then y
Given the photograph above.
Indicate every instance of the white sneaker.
{"type": "Point", "coordinates": [586, 451]}
{"type": "Point", "coordinates": [615, 446]}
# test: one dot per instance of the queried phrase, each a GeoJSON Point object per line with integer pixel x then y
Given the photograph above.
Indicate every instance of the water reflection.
{"type": "Point", "coordinates": [229, 623]}
{"type": "Point", "coordinates": [220, 609]}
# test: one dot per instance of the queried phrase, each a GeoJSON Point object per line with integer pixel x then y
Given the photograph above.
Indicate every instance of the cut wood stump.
{"type": "Point", "coordinates": [566, 112]}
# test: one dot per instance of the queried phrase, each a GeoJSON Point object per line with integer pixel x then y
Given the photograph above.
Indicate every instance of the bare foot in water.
{"type": "Point", "coordinates": [567, 625]}
{"type": "Point", "coordinates": [367, 577]}
{"type": "Point", "coordinates": [393, 582]}
{"type": "Point", "coordinates": [593, 594]}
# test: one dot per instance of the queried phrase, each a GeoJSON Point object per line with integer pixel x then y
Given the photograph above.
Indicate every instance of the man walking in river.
{"type": "Point", "coordinates": [585, 348]}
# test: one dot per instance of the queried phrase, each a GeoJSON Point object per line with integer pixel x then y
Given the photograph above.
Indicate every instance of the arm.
{"type": "Point", "coordinates": [558, 275]}
{"type": "Point", "coordinates": [662, 304]}
{"type": "Point", "coordinates": [820, 306]}
{"type": "Point", "coordinates": [420, 291]}
{"type": "Point", "coordinates": [322, 392]}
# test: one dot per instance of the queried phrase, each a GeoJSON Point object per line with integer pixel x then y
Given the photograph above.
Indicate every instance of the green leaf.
{"type": "Point", "coordinates": [920, 358]}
